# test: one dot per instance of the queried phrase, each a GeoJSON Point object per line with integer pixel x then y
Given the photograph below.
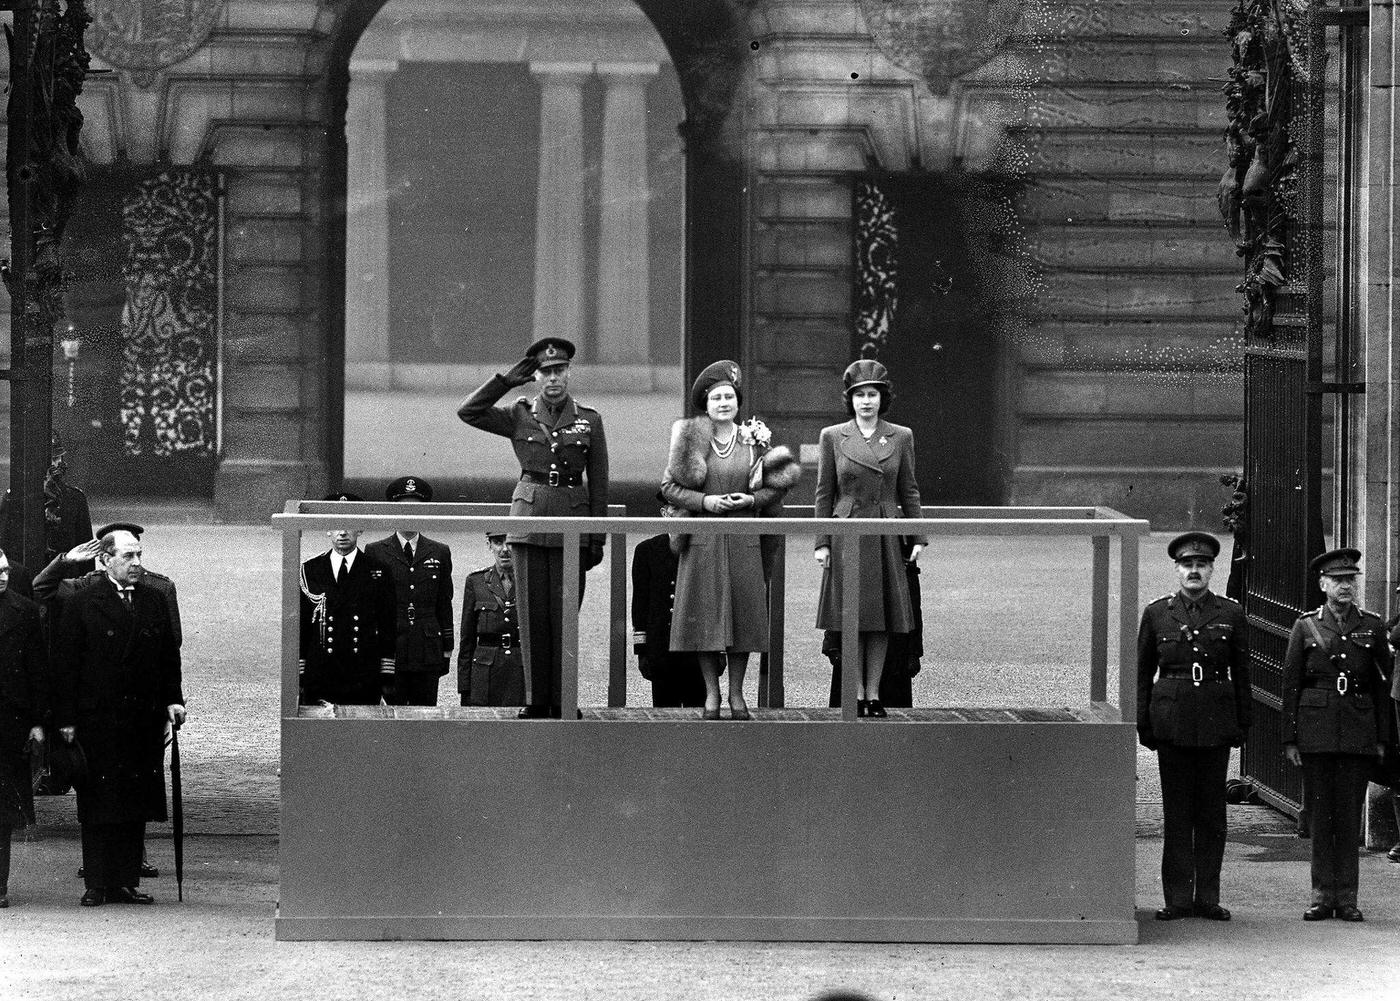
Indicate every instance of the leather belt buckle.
{"type": "Point", "coordinates": [1342, 684]}
{"type": "Point", "coordinates": [505, 641]}
{"type": "Point", "coordinates": [1198, 673]}
{"type": "Point", "coordinates": [554, 477]}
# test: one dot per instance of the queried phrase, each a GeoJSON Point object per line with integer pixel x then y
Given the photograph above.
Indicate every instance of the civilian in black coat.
{"type": "Point", "coordinates": [347, 625]}
{"type": "Point", "coordinates": [24, 702]}
{"type": "Point", "coordinates": [117, 674]}
{"type": "Point", "coordinates": [675, 676]}
{"type": "Point", "coordinates": [422, 571]}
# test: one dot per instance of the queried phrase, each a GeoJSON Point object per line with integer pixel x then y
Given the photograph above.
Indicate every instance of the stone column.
{"type": "Point", "coordinates": [559, 202]}
{"type": "Point", "coordinates": [367, 216]}
{"type": "Point", "coordinates": [624, 236]}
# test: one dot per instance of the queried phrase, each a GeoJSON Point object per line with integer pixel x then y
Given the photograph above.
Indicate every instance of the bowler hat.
{"type": "Point", "coordinates": [1191, 544]}
{"type": "Point", "coordinates": [119, 526]}
{"type": "Point", "coordinates": [1337, 563]}
{"type": "Point", "coordinates": [715, 374]}
{"type": "Point", "coordinates": [409, 488]}
{"type": "Point", "coordinates": [550, 352]}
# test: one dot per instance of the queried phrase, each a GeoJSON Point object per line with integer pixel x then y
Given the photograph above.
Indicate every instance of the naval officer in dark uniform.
{"type": "Point", "coordinates": [490, 671]}
{"type": "Point", "coordinates": [674, 675]}
{"type": "Point", "coordinates": [422, 572]}
{"type": "Point", "coordinates": [1193, 706]}
{"type": "Point", "coordinates": [1335, 725]}
{"type": "Point", "coordinates": [563, 471]}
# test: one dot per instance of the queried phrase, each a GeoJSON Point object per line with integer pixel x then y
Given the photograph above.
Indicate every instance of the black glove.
{"type": "Point", "coordinates": [521, 372]}
{"type": "Point", "coordinates": [1146, 739]}
{"type": "Point", "coordinates": [644, 664]}
{"type": "Point", "coordinates": [593, 556]}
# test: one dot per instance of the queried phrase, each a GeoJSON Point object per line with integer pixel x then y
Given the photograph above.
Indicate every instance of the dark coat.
{"type": "Point", "coordinates": [423, 603]}
{"type": "Point", "coordinates": [571, 445]}
{"type": "Point", "coordinates": [62, 577]}
{"type": "Point", "coordinates": [343, 655]}
{"type": "Point", "coordinates": [116, 671]}
{"type": "Point", "coordinates": [1316, 716]}
{"type": "Point", "coordinates": [1172, 707]}
{"type": "Point", "coordinates": [868, 479]}
{"type": "Point", "coordinates": [73, 524]}
{"type": "Point", "coordinates": [24, 703]}
{"type": "Point", "coordinates": [490, 668]}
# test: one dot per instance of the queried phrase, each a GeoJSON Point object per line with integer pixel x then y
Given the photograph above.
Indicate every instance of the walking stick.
{"type": "Point", "coordinates": [177, 814]}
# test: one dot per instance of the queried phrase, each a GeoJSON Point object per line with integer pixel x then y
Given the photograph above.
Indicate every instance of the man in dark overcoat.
{"type": "Point", "coordinates": [1336, 722]}
{"type": "Point", "coordinates": [1194, 704]}
{"type": "Point", "coordinates": [563, 472]}
{"type": "Point", "coordinates": [490, 668]}
{"type": "Point", "coordinates": [24, 707]}
{"type": "Point", "coordinates": [675, 676]}
{"type": "Point", "coordinates": [422, 571]}
{"type": "Point", "coordinates": [348, 637]}
{"type": "Point", "coordinates": [117, 685]}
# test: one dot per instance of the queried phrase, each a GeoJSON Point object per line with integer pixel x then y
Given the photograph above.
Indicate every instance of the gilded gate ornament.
{"type": "Point", "coordinates": [146, 36]}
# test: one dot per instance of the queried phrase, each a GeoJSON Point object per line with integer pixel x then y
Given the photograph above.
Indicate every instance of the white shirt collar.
{"type": "Point", "coordinates": [348, 559]}
{"type": "Point", "coordinates": [406, 541]}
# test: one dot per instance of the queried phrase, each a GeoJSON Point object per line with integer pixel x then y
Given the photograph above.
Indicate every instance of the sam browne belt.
{"type": "Point", "coordinates": [554, 478]}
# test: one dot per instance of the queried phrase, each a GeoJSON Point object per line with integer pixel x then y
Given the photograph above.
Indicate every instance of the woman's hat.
{"type": "Point", "coordinates": [865, 372]}
{"type": "Point", "coordinates": [715, 374]}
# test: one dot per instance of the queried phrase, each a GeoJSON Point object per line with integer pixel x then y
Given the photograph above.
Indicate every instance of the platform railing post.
{"type": "Point", "coordinates": [568, 677]}
{"type": "Point", "coordinates": [1098, 623]}
{"type": "Point", "coordinates": [851, 667]}
{"type": "Point", "coordinates": [291, 616]}
{"type": "Point", "coordinates": [617, 637]}
{"type": "Point", "coordinates": [772, 694]}
{"type": "Point", "coordinates": [1127, 625]}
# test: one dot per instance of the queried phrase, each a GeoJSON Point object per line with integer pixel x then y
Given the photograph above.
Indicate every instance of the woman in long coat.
{"type": "Point", "coordinates": [23, 707]}
{"type": "Point", "coordinates": [865, 469]}
{"type": "Point", "coordinates": [720, 469]}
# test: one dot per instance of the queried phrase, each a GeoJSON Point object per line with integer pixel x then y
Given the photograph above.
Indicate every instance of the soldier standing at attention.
{"type": "Point", "coordinates": [1335, 725]}
{"type": "Point", "coordinates": [563, 472]}
{"type": "Point", "coordinates": [490, 671]}
{"type": "Point", "coordinates": [422, 572]}
{"type": "Point", "coordinates": [1194, 644]}
{"type": "Point", "coordinates": [347, 623]}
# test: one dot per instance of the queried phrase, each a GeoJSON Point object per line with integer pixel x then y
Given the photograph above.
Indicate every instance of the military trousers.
{"type": "Point", "coordinates": [539, 589]}
{"type": "Point", "coordinates": [1193, 822]}
{"type": "Point", "coordinates": [1334, 791]}
{"type": "Point", "coordinates": [112, 854]}
{"type": "Point", "coordinates": [676, 680]}
{"type": "Point", "coordinates": [415, 688]}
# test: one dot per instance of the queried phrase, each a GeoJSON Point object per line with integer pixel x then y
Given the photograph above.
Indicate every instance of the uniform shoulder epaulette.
{"type": "Point", "coordinates": [1162, 597]}
{"type": "Point", "coordinates": [481, 570]}
{"type": "Point", "coordinates": [1226, 597]}
{"type": "Point", "coordinates": [585, 406]}
{"type": "Point", "coordinates": [1365, 611]}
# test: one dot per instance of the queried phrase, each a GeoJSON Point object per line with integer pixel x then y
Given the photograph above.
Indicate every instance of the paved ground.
{"type": "Point", "coordinates": [990, 596]}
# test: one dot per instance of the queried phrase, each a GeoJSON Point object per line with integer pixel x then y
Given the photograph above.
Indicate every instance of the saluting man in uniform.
{"type": "Point", "coordinates": [422, 572]}
{"type": "Point", "coordinates": [563, 472]}
{"type": "Point", "coordinates": [490, 669]}
{"type": "Point", "coordinates": [1335, 725]}
{"type": "Point", "coordinates": [347, 623]}
{"type": "Point", "coordinates": [1194, 704]}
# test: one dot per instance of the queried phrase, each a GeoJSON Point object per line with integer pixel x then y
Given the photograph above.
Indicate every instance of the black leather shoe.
{"type": "Point", "coordinates": [1394, 854]}
{"type": "Point", "coordinates": [533, 712]}
{"type": "Point", "coordinates": [80, 872]}
{"type": "Point", "coordinates": [1170, 913]}
{"type": "Point", "coordinates": [1318, 912]}
{"type": "Point", "coordinates": [1350, 912]}
{"type": "Point", "coordinates": [149, 871]}
{"type": "Point", "coordinates": [874, 710]}
{"type": "Point", "coordinates": [4, 901]}
{"type": "Point", "coordinates": [1211, 912]}
{"type": "Point", "coordinates": [862, 708]}
{"type": "Point", "coordinates": [128, 895]}
{"type": "Point", "coordinates": [93, 898]}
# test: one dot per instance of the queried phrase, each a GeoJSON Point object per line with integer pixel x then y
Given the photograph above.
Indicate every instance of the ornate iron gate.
{"type": "Point", "coordinates": [1272, 199]}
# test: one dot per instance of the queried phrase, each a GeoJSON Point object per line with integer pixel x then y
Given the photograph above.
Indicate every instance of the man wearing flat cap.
{"type": "Point", "coordinates": [563, 472]}
{"type": "Point", "coordinates": [1336, 721]}
{"type": "Point", "coordinates": [422, 571]}
{"type": "Point", "coordinates": [1194, 704]}
{"type": "Point", "coordinates": [490, 671]}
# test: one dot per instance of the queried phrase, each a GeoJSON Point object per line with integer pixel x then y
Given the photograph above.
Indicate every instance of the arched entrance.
{"type": "Point", "coordinates": [591, 299]}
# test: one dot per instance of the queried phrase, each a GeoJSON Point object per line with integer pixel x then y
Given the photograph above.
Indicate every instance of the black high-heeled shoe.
{"type": "Point", "coordinates": [874, 710]}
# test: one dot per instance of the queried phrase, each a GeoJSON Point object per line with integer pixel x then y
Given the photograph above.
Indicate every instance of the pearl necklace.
{"type": "Point", "coordinates": [723, 451]}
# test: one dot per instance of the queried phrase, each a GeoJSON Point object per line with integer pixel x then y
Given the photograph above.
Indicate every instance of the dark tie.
{"type": "Point", "coordinates": [126, 596]}
{"type": "Point", "coordinates": [341, 573]}
{"type": "Point", "coordinates": [408, 552]}
{"type": "Point", "coordinates": [508, 585]}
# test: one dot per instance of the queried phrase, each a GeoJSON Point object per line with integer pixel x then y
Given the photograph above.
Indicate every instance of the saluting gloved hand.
{"type": "Point", "coordinates": [593, 556]}
{"type": "Point", "coordinates": [521, 372]}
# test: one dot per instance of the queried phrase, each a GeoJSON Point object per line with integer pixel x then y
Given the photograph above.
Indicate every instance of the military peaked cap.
{"type": "Point", "coordinates": [344, 496]}
{"type": "Point", "coordinates": [1337, 563]}
{"type": "Point", "coordinates": [1191, 544]}
{"type": "Point", "coordinates": [119, 526]}
{"type": "Point", "coordinates": [409, 488]}
{"type": "Point", "coordinates": [550, 352]}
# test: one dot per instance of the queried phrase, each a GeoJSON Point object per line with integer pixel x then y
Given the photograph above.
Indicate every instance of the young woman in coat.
{"type": "Point", "coordinates": [865, 469]}
{"type": "Point", "coordinates": [719, 469]}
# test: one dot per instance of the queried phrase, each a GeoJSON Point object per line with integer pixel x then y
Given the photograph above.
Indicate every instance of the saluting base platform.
{"type": "Point", "coordinates": [935, 825]}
